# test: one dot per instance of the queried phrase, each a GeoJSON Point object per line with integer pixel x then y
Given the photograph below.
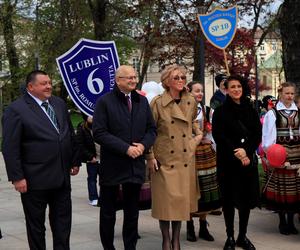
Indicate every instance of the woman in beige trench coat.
{"type": "Point", "coordinates": [171, 162]}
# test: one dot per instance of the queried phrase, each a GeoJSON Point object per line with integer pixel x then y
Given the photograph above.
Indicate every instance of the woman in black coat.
{"type": "Point", "coordinates": [236, 130]}
{"type": "Point", "coordinates": [90, 154]}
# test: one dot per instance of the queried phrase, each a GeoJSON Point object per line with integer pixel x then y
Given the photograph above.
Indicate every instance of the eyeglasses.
{"type": "Point", "coordinates": [128, 77]}
{"type": "Point", "coordinates": [176, 78]}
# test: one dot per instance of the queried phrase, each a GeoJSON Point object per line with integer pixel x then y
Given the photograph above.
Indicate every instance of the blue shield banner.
{"type": "Point", "coordinates": [219, 26]}
{"type": "Point", "coordinates": [88, 71]}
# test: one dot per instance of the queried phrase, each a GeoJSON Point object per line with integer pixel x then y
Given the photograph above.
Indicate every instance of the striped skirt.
{"type": "Point", "coordinates": [207, 175]}
{"type": "Point", "coordinates": [283, 190]}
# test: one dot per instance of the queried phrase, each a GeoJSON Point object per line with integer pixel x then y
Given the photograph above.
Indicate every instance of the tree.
{"type": "Point", "coordinates": [98, 10]}
{"type": "Point", "coordinates": [147, 20]}
{"type": "Point", "coordinates": [7, 11]}
{"type": "Point", "coordinates": [289, 22]}
{"type": "Point", "coordinates": [180, 35]}
{"type": "Point", "coordinates": [164, 31]}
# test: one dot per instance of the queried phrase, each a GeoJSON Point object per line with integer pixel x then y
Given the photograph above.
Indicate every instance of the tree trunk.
{"type": "Point", "coordinates": [98, 10]}
{"type": "Point", "coordinates": [289, 22]}
{"type": "Point", "coordinates": [6, 16]}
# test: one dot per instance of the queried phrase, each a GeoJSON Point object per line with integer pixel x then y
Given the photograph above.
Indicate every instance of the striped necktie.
{"type": "Point", "coordinates": [51, 113]}
{"type": "Point", "coordinates": [129, 105]}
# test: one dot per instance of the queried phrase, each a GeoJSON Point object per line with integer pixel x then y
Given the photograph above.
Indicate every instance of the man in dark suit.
{"type": "Point", "coordinates": [124, 127]}
{"type": "Point", "coordinates": [40, 154]}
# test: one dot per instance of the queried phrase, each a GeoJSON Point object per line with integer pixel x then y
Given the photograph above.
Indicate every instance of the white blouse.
{"type": "Point", "coordinates": [269, 132]}
{"type": "Point", "coordinates": [200, 119]}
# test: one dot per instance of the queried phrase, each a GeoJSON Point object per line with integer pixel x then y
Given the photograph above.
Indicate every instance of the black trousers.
{"type": "Point", "coordinates": [229, 211]}
{"type": "Point", "coordinates": [108, 201]}
{"type": "Point", "coordinates": [60, 213]}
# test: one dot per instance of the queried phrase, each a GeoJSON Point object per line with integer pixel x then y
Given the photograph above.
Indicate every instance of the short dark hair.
{"type": "Point", "coordinates": [84, 116]}
{"type": "Point", "coordinates": [219, 78]}
{"type": "Point", "coordinates": [243, 81]}
{"type": "Point", "coordinates": [32, 75]}
{"type": "Point", "coordinates": [191, 84]}
{"type": "Point", "coordinates": [266, 99]}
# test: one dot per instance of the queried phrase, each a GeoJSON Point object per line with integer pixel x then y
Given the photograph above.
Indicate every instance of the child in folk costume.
{"type": "Point", "coordinates": [281, 126]}
{"type": "Point", "coordinates": [205, 168]}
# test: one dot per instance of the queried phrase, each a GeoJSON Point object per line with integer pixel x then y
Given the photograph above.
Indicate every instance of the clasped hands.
{"type": "Point", "coordinates": [240, 153]}
{"type": "Point", "coordinates": [135, 150]}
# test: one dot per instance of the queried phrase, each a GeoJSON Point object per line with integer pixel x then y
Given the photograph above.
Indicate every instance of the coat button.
{"type": "Point", "coordinates": [172, 151]}
{"type": "Point", "coordinates": [172, 137]}
{"type": "Point", "coordinates": [172, 166]}
{"type": "Point", "coordinates": [184, 150]}
{"type": "Point", "coordinates": [172, 122]}
{"type": "Point", "coordinates": [185, 165]}
{"type": "Point", "coordinates": [183, 135]}
{"type": "Point", "coordinates": [188, 103]}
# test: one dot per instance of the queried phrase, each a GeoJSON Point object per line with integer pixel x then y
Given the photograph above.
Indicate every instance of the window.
{"type": "Point", "coordinates": [264, 81]}
{"type": "Point", "coordinates": [135, 63]}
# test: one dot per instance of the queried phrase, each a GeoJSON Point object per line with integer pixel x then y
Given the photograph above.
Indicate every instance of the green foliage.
{"type": "Point", "coordinates": [60, 25]}
{"type": "Point", "coordinates": [161, 31]}
{"type": "Point", "coordinates": [76, 118]}
{"type": "Point", "coordinates": [125, 47]}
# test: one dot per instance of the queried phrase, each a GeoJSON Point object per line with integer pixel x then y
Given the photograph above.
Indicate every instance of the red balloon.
{"type": "Point", "coordinates": [276, 155]}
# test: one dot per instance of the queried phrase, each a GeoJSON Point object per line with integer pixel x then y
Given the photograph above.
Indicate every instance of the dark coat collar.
{"type": "Point", "coordinates": [135, 96]}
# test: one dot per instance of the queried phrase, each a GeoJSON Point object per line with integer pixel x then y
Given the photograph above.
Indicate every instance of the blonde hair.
{"type": "Point", "coordinates": [166, 74]}
{"type": "Point", "coordinates": [285, 85]}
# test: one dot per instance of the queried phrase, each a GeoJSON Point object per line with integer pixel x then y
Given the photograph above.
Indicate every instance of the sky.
{"type": "Point", "coordinates": [273, 7]}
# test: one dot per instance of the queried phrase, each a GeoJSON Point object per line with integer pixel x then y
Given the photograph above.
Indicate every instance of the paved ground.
{"type": "Point", "coordinates": [262, 228]}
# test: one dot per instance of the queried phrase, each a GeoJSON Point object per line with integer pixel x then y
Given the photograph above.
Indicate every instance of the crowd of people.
{"type": "Point", "coordinates": [200, 159]}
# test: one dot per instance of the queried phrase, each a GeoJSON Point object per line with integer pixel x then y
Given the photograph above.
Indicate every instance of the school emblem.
{"type": "Point", "coordinates": [219, 26]}
{"type": "Point", "coordinates": [88, 71]}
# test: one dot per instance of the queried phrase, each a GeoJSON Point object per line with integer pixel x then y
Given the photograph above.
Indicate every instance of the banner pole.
{"type": "Point", "coordinates": [226, 62]}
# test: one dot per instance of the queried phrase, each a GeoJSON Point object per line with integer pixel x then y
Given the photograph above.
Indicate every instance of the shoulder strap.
{"type": "Point", "coordinates": [207, 113]}
{"type": "Point", "coordinates": [276, 113]}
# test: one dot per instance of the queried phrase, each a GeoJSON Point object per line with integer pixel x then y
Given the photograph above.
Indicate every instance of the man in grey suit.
{"type": "Point", "coordinates": [40, 153]}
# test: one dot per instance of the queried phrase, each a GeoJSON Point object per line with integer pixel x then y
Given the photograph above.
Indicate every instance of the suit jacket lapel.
{"type": "Point", "coordinates": [37, 110]}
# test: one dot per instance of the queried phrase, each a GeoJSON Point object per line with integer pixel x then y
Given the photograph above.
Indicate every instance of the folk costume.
{"type": "Point", "coordinates": [206, 170]}
{"type": "Point", "coordinates": [206, 166]}
{"type": "Point", "coordinates": [282, 190]}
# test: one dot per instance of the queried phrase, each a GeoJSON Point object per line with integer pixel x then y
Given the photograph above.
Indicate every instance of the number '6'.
{"type": "Point", "coordinates": [93, 82]}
